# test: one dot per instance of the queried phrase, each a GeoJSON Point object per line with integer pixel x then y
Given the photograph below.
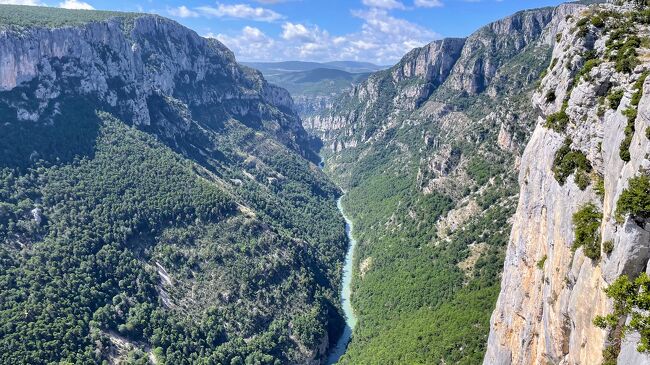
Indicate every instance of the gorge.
{"type": "Point", "coordinates": [162, 203]}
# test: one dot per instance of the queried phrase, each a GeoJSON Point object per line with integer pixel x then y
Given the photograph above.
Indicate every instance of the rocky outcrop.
{"type": "Point", "coordinates": [490, 47]}
{"type": "Point", "coordinates": [466, 66]}
{"type": "Point", "coordinates": [545, 312]}
{"type": "Point", "coordinates": [131, 62]}
{"type": "Point", "coordinates": [431, 63]}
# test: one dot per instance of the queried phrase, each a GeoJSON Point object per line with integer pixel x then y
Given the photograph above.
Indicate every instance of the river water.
{"type": "Point", "coordinates": [346, 292]}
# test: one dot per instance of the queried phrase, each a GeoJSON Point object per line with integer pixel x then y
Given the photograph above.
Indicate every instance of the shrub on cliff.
{"type": "Point", "coordinates": [586, 223]}
{"type": "Point", "coordinates": [568, 161]}
{"type": "Point", "coordinates": [635, 200]}
{"type": "Point", "coordinates": [631, 298]}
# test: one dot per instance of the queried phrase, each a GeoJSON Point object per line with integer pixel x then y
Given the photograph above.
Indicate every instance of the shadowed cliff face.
{"type": "Point", "coordinates": [551, 290]}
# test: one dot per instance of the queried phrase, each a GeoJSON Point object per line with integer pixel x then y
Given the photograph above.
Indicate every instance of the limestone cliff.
{"type": "Point", "coordinates": [131, 62]}
{"type": "Point", "coordinates": [552, 290]}
{"type": "Point", "coordinates": [457, 67]}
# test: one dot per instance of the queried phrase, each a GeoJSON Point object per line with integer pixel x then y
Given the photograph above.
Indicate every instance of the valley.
{"type": "Point", "coordinates": [346, 293]}
{"type": "Point", "coordinates": [314, 85]}
{"type": "Point", "coordinates": [483, 200]}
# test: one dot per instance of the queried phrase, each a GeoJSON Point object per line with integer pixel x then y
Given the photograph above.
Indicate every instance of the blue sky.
{"type": "Point", "coordinates": [378, 31]}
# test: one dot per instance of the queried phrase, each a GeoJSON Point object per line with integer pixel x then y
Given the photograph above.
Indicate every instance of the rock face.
{"type": "Point", "coordinates": [486, 50]}
{"type": "Point", "coordinates": [466, 66]}
{"type": "Point", "coordinates": [546, 315]}
{"type": "Point", "coordinates": [131, 63]}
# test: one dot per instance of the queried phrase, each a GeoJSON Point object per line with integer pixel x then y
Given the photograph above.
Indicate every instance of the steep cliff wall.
{"type": "Point", "coordinates": [551, 290]}
{"type": "Point", "coordinates": [353, 117]}
{"type": "Point", "coordinates": [449, 68]}
{"type": "Point", "coordinates": [128, 61]}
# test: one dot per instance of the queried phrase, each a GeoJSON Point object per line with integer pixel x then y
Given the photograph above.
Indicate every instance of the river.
{"type": "Point", "coordinates": [346, 292]}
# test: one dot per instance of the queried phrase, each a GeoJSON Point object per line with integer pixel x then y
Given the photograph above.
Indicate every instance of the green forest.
{"type": "Point", "coordinates": [110, 237]}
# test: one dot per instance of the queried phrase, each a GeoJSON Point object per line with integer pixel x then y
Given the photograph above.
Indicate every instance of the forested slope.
{"type": "Point", "coordinates": [158, 202]}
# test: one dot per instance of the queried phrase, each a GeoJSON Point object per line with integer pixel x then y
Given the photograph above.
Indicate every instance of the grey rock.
{"type": "Point", "coordinates": [546, 316]}
{"type": "Point", "coordinates": [631, 252]}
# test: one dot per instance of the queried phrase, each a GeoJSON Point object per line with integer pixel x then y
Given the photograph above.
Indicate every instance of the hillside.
{"type": "Point", "coordinates": [427, 152]}
{"type": "Point", "coordinates": [157, 201]}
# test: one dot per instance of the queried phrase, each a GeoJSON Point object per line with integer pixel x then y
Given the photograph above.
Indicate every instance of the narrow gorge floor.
{"type": "Point", "coordinates": [346, 293]}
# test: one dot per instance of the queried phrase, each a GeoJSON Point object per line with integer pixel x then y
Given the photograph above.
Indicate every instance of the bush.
{"type": "Point", "coordinates": [558, 121]}
{"type": "Point", "coordinates": [599, 187]}
{"type": "Point", "coordinates": [630, 299]}
{"type": "Point", "coordinates": [586, 224]}
{"type": "Point", "coordinates": [614, 98]}
{"type": "Point", "coordinates": [582, 27]}
{"type": "Point", "coordinates": [624, 149]}
{"type": "Point", "coordinates": [635, 200]}
{"type": "Point", "coordinates": [608, 247]}
{"type": "Point", "coordinates": [586, 69]}
{"type": "Point", "coordinates": [597, 21]}
{"type": "Point", "coordinates": [638, 87]}
{"type": "Point", "coordinates": [631, 113]}
{"type": "Point", "coordinates": [568, 161]}
{"type": "Point", "coordinates": [626, 57]}
{"type": "Point", "coordinates": [582, 22]}
{"type": "Point", "coordinates": [540, 263]}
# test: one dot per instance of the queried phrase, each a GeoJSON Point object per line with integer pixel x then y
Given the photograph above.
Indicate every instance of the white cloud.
{"type": "Point", "coordinates": [241, 11]}
{"type": "Point", "coordinates": [384, 4]}
{"type": "Point", "coordinates": [428, 3]}
{"type": "Point", "coordinates": [75, 4]}
{"type": "Point", "coordinates": [250, 44]}
{"type": "Point", "coordinates": [20, 2]}
{"type": "Point", "coordinates": [183, 12]}
{"type": "Point", "coordinates": [291, 31]}
{"type": "Point", "coordinates": [382, 39]}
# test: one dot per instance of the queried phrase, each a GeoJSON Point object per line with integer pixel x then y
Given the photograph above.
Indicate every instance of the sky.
{"type": "Point", "coordinates": [377, 31]}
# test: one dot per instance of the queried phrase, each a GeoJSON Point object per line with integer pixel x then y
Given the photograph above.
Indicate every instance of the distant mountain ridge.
{"type": "Point", "coordinates": [269, 68]}
{"type": "Point", "coordinates": [313, 84]}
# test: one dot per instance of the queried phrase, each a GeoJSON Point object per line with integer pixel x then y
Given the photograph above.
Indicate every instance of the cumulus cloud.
{"type": "Point", "coordinates": [382, 39]}
{"type": "Point", "coordinates": [251, 43]}
{"type": "Point", "coordinates": [240, 11]}
{"type": "Point", "coordinates": [384, 4]}
{"type": "Point", "coordinates": [20, 2]}
{"type": "Point", "coordinates": [75, 4]}
{"type": "Point", "coordinates": [428, 3]}
{"type": "Point", "coordinates": [291, 31]}
{"type": "Point", "coordinates": [183, 12]}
